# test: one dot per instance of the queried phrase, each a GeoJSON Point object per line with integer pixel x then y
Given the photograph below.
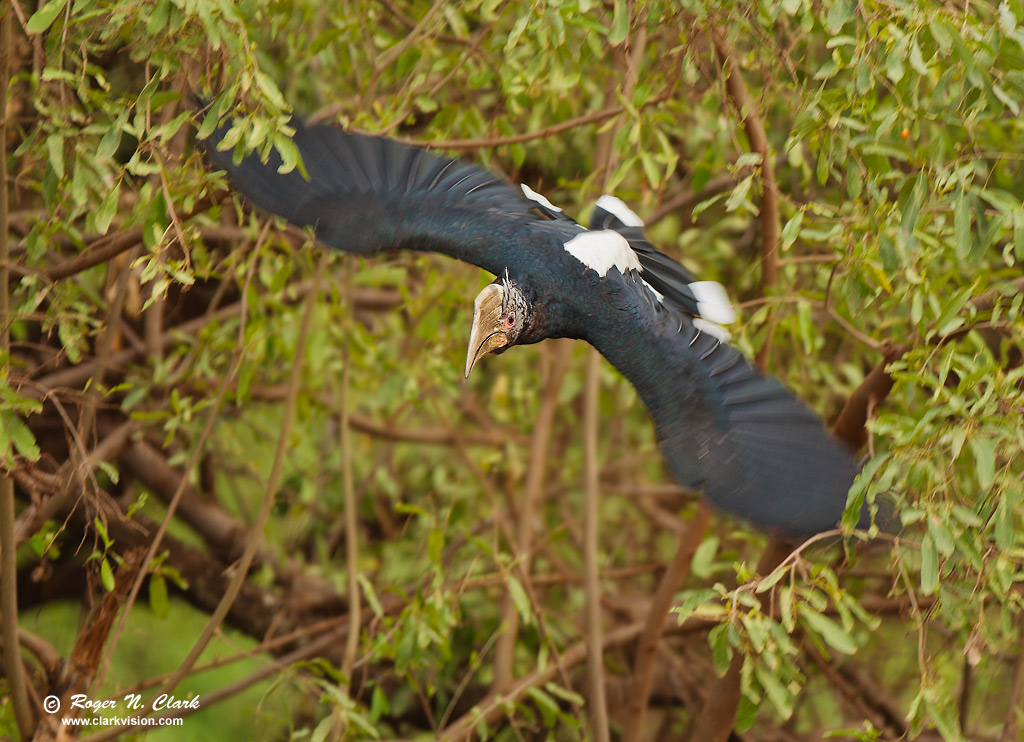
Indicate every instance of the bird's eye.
{"type": "Point", "coordinates": [510, 320]}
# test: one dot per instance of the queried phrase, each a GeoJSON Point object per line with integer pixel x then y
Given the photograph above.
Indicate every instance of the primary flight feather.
{"type": "Point", "coordinates": [757, 451]}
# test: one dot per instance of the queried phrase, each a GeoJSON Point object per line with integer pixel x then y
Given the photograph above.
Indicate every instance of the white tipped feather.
{"type": "Point", "coordinates": [712, 302]}
{"type": "Point", "coordinates": [603, 249]}
{"type": "Point", "coordinates": [534, 196]}
{"type": "Point", "coordinates": [712, 329]}
{"type": "Point", "coordinates": [618, 209]}
{"type": "Point", "coordinates": [654, 291]}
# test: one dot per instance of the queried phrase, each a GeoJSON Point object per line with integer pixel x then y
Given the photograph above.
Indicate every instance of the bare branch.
{"type": "Point", "coordinates": [647, 647]}
{"type": "Point", "coordinates": [8, 546]}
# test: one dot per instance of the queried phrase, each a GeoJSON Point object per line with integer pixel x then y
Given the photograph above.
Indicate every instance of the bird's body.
{"type": "Point", "coordinates": [757, 451]}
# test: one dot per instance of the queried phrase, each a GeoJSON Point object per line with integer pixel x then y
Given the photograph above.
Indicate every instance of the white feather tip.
{"type": "Point", "coordinates": [534, 196]}
{"type": "Point", "coordinates": [712, 302]}
{"type": "Point", "coordinates": [620, 211]}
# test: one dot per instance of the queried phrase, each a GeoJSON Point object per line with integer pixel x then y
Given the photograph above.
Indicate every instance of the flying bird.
{"type": "Point", "coordinates": [755, 449]}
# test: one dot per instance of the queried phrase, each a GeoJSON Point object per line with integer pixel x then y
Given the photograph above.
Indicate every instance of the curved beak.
{"type": "Point", "coordinates": [486, 335]}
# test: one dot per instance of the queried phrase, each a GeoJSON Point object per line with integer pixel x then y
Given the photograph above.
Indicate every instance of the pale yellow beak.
{"type": "Point", "coordinates": [486, 335]}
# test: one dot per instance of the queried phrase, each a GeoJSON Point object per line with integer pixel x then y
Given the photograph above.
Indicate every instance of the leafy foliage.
{"type": "Point", "coordinates": [895, 133]}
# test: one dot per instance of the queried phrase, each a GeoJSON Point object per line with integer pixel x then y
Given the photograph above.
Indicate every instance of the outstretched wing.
{"type": "Point", "coordinates": [757, 451]}
{"type": "Point", "coordinates": [368, 194]}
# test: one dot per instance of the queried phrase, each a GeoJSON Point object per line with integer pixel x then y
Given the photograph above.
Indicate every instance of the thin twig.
{"type": "Point", "coordinates": [643, 669]}
{"type": "Point", "coordinates": [1014, 714]}
{"type": "Point", "coordinates": [351, 524]}
{"type": "Point", "coordinates": [590, 118]}
{"type": "Point", "coordinates": [100, 251]}
{"type": "Point", "coordinates": [598, 705]}
{"type": "Point", "coordinates": [8, 546]}
{"type": "Point", "coordinates": [493, 706]}
{"type": "Point", "coordinates": [535, 473]}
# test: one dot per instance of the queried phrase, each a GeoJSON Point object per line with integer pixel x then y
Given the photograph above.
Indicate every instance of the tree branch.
{"type": "Point", "coordinates": [647, 647]}
{"type": "Point", "coordinates": [716, 719]}
{"type": "Point", "coordinates": [746, 107]}
{"type": "Point", "coordinates": [591, 530]}
{"type": "Point", "coordinates": [850, 425]}
{"type": "Point", "coordinates": [8, 545]}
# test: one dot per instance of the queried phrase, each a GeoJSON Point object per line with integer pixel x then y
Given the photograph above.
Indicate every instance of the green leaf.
{"type": "Point", "coordinates": [887, 251]}
{"type": "Point", "coordinates": [721, 650]}
{"type": "Point", "coordinates": [159, 17]}
{"type": "Point", "coordinates": [379, 704]}
{"type": "Point", "coordinates": [322, 730]}
{"type": "Point", "coordinates": [854, 181]}
{"type": "Point", "coordinates": [984, 449]}
{"type": "Point", "coordinates": [158, 601]}
{"type": "Point", "coordinates": [739, 193]}
{"type": "Point", "coordinates": [112, 139]}
{"type": "Point", "coordinates": [107, 209]}
{"type": "Point", "coordinates": [840, 13]}
{"type": "Point", "coordinates": [703, 557]}
{"type": "Point", "coordinates": [520, 599]}
{"type": "Point", "coordinates": [910, 201]}
{"type": "Point", "coordinates": [43, 18]}
{"type": "Point", "coordinates": [792, 229]}
{"type": "Point", "coordinates": [620, 23]}
{"type": "Point", "coordinates": [55, 154]}
{"type": "Point", "coordinates": [962, 226]}
{"type": "Point", "coordinates": [107, 575]}
{"type": "Point", "coordinates": [929, 565]}
{"type": "Point", "coordinates": [18, 433]}
{"type": "Point", "coordinates": [831, 632]}
{"type": "Point", "coordinates": [1005, 527]}
{"type": "Point", "coordinates": [780, 695]}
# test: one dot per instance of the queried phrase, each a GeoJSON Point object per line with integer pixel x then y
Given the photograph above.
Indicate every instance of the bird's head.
{"type": "Point", "coordinates": [499, 314]}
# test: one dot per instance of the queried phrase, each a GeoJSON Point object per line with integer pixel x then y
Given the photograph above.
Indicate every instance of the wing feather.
{"type": "Point", "coordinates": [365, 194]}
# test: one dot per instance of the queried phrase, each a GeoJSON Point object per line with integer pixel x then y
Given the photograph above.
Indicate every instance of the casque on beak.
{"type": "Point", "coordinates": [486, 335]}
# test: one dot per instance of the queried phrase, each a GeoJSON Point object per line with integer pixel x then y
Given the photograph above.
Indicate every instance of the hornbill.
{"type": "Point", "coordinates": [757, 451]}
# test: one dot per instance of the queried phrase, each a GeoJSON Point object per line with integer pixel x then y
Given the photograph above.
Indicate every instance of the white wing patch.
{"type": "Point", "coordinates": [617, 208]}
{"type": "Point", "coordinates": [716, 331]}
{"type": "Point", "coordinates": [534, 196]}
{"type": "Point", "coordinates": [602, 250]}
{"type": "Point", "coordinates": [712, 302]}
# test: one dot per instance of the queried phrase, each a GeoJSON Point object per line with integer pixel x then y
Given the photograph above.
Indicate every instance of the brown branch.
{"type": "Point", "coordinates": [82, 663]}
{"type": "Point", "coordinates": [219, 529]}
{"type": "Point", "coordinates": [48, 657]}
{"type": "Point", "coordinates": [351, 522]}
{"type": "Point", "coordinates": [716, 719]}
{"type": "Point", "coordinates": [598, 702]}
{"type": "Point", "coordinates": [850, 425]}
{"type": "Point", "coordinates": [62, 503]}
{"type": "Point", "coordinates": [12, 664]}
{"type": "Point", "coordinates": [647, 647]}
{"type": "Point", "coordinates": [1014, 715]}
{"type": "Point", "coordinates": [100, 251]}
{"type": "Point", "coordinates": [590, 118]}
{"type": "Point", "coordinates": [758, 138]}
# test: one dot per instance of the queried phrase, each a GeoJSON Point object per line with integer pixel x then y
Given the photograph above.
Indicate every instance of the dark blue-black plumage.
{"type": "Point", "coordinates": [756, 450]}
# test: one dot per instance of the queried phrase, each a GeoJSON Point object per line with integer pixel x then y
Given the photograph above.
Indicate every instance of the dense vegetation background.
{"type": "Point", "coordinates": [214, 438]}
